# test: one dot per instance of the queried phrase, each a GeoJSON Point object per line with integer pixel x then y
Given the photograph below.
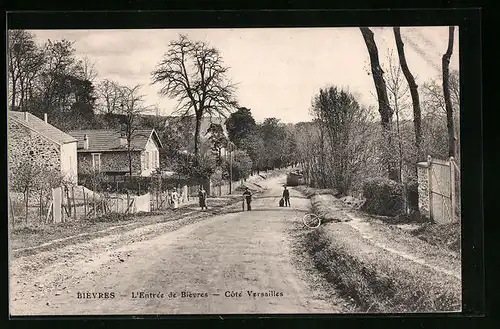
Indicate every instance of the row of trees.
{"type": "Point", "coordinates": [386, 110]}
{"type": "Point", "coordinates": [346, 144]}
{"type": "Point", "coordinates": [50, 79]}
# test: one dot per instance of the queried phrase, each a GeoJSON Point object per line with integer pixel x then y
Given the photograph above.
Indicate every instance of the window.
{"type": "Point", "coordinates": [146, 160]}
{"type": "Point", "coordinates": [155, 159]}
{"type": "Point", "coordinates": [96, 161]}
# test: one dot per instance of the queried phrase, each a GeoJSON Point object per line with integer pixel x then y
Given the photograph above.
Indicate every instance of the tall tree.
{"type": "Point", "coordinates": [385, 110]}
{"type": "Point", "coordinates": [218, 140]}
{"type": "Point", "coordinates": [240, 125]}
{"type": "Point", "coordinates": [446, 92]}
{"type": "Point", "coordinates": [398, 92]}
{"type": "Point", "coordinates": [243, 132]}
{"type": "Point", "coordinates": [417, 113]}
{"type": "Point", "coordinates": [194, 73]}
{"type": "Point", "coordinates": [132, 107]}
{"type": "Point", "coordinates": [343, 125]}
{"type": "Point", "coordinates": [109, 96]}
{"type": "Point", "coordinates": [273, 134]}
{"type": "Point", "coordinates": [25, 61]}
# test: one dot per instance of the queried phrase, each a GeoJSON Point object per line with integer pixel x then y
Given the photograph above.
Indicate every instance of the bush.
{"type": "Point", "coordinates": [384, 197]}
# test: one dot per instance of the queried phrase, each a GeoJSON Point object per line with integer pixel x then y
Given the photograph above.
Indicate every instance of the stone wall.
{"type": "Point", "coordinates": [28, 146]}
{"type": "Point", "coordinates": [111, 162]}
{"type": "Point", "coordinates": [423, 187]}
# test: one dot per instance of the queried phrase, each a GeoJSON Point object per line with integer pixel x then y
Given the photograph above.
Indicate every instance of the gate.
{"type": "Point", "coordinates": [441, 189]}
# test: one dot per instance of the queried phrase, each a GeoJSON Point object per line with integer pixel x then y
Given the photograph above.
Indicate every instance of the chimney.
{"type": "Point", "coordinates": [45, 117]}
{"type": "Point", "coordinates": [123, 136]}
{"type": "Point", "coordinates": [85, 142]}
{"type": "Point", "coordinates": [26, 116]}
{"type": "Point", "coordinates": [123, 140]}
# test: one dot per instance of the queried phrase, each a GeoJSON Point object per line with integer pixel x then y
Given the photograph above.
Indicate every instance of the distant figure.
{"type": "Point", "coordinates": [248, 198]}
{"type": "Point", "coordinates": [175, 199]}
{"type": "Point", "coordinates": [202, 197]}
{"type": "Point", "coordinates": [282, 202]}
{"type": "Point", "coordinates": [286, 197]}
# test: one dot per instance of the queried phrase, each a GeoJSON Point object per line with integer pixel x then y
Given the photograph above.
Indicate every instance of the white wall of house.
{"type": "Point", "coordinates": [150, 158]}
{"type": "Point", "coordinates": [69, 164]}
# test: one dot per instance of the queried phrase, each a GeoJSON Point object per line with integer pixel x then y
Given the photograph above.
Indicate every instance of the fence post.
{"type": "Point", "coordinates": [94, 205]}
{"type": "Point", "coordinates": [74, 203]}
{"type": "Point", "coordinates": [84, 203]}
{"type": "Point", "coordinates": [56, 205]}
{"type": "Point", "coordinates": [429, 185]}
{"type": "Point", "coordinates": [49, 211]}
{"type": "Point", "coordinates": [452, 189]}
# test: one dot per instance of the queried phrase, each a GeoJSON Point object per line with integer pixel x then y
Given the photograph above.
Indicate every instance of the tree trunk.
{"type": "Point", "coordinates": [198, 117]}
{"type": "Point", "coordinates": [130, 163]}
{"type": "Point", "coordinates": [26, 198]}
{"type": "Point", "coordinates": [13, 101]}
{"type": "Point", "coordinates": [383, 100]}
{"type": "Point", "coordinates": [400, 145]}
{"type": "Point", "coordinates": [417, 114]}
{"type": "Point", "coordinates": [446, 93]}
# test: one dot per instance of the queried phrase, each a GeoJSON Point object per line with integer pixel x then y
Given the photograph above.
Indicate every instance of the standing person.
{"type": "Point", "coordinates": [175, 199]}
{"type": "Point", "coordinates": [202, 197]}
{"type": "Point", "coordinates": [286, 196]}
{"type": "Point", "coordinates": [248, 198]}
{"type": "Point", "coordinates": [168, 198]}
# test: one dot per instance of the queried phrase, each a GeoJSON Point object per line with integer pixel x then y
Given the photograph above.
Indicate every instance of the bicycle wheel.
{"type": "Point", "coordinates": [311, 221]}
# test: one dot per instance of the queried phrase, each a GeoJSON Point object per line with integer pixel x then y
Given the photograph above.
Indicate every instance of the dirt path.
{"type": "Point", "coordinates": [232, 263]}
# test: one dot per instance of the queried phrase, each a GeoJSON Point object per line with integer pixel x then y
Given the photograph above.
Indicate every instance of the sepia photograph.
{"type": "Point", "coordinates": [234, 171]}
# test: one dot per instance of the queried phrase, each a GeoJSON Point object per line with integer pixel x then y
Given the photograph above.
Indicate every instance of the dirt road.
{"type": "Point", "coordinates": [232, 263]}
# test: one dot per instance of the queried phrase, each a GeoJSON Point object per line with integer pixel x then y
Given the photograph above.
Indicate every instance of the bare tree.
{"type": "Point", "coordinates": [110, 95]}
{"type": "Point", "coordinates": [417, 114]}
{"type": "Point", "coordinates": [131, 108]}
{"type": "Point", "coordinates": [398, 96]}
{"type": "Point", "coordinates": [385, 110]}
{"type": "Point", "coordinates": [194, 74]}
{"type": "Point", "coordinates": [446, 92]}
{"type": "Point", "coordinates": [88, 69]}
{"type": "Point", "coordinates": [25, 61]}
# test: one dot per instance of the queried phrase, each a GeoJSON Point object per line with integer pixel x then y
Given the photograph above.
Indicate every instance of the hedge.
{"type": "Point", "coordinates": [384, 197]}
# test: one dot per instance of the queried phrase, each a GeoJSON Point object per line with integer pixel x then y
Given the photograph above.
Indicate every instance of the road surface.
{"type": "Point", "coordinates": [236, 263]}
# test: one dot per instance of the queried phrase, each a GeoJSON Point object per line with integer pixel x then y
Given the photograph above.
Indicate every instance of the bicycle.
{"type": "Point", "coordinates": [311, 220]}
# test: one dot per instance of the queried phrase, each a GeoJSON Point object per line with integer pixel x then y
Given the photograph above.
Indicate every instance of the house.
{"type": "Point", "coordinates": [31, 139]}
{"type": "Point", "coordinates": [106, 151]}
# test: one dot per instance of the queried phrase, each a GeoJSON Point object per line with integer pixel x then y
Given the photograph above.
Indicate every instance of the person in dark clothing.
{"type": "Point", "coordinates": [248, 198]}
{"type": "Point", "coordinates": [202, 197]}
{"type": "Point", "coordinates": [286, 197]}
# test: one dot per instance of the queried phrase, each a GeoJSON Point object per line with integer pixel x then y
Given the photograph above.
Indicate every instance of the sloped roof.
{"type": "Point", "coordinates": [39, 125]}
{"type": "Point", "coordinates": [103, 140]}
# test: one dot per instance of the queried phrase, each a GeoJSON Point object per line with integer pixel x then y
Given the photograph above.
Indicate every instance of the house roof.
{"type": "Point", "coordinates": [103, 140]}
{"type": "Point", "coordinates": [39, 126]}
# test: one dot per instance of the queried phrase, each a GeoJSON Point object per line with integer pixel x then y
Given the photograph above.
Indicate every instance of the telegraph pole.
{"type": "Point", "coordinates": [230, 168]}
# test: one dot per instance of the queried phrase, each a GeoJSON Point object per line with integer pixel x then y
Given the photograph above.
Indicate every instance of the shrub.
{"type": "Point", "coordinates": [383, 197]}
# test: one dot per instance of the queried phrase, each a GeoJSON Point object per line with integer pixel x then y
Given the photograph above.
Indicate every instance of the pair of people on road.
{"type": "Point", "coordinates": [248, 198]}
{"type": "Point", "coordinates": [285, 200]}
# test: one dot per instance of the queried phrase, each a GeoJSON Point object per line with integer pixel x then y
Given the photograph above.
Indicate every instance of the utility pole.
{"type": "Point", "coordinates": [230, 168]}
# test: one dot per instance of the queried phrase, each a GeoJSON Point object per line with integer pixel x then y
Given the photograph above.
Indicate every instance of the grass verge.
{"type": "Point", "coordinates": [376, 280]}
{"type": "Point", "coordinates": [28, 240]}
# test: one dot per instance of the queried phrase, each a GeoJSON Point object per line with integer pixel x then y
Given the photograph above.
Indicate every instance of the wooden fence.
{"type": "Point", "coordinates": [438, 182]}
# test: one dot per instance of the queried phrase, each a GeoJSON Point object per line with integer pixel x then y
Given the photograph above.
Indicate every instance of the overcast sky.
{"type": "Point", "coordinates": [278, 70]}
